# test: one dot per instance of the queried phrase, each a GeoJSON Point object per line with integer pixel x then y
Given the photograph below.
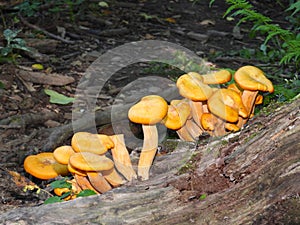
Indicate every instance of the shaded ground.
{"type": "Point", "coordinates": [94, 31]}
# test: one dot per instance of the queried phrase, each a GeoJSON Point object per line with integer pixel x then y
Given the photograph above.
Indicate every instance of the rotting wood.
{"type": "Point", "coordinates": [263, 168]}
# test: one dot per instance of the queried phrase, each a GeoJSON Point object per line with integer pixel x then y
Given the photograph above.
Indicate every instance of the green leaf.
{"type": "Point", "coordinates": [5, 51]}
{"type": "Point", "coordinates": [53, 199]}
{"type": "Point", "coordinates": [2, 86]}
{"type": "Point", "coordinates": [61, 184]}
{"type": "Point", "coordinates": [10, 34]}
{"type": "Point", "coordinates": [58, 98]}
{"type": "Point", "coordinates": [103, 4]}
{"type": "Point", "coordinates": [86, 193]}
{"type": "Point", "coordinates": [202, 197]}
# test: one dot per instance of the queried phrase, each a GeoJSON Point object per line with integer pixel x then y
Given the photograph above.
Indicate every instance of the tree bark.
{"type": "Point", "coordinates": [252, 177]}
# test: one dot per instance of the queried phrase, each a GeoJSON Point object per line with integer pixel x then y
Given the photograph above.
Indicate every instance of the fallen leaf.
{"type": "Point", "coordinates": [207, 22]}
{"type": "Point", "coordinates": [58, 98]}
{"type": "Point", "coordinates": [42, 78]}
{"type": "Point", "coordinates": [170, 20]}
{"type": "Point", "coordinates": [21, 181]}
{"type": "Point", "coordinates": [37, 66]}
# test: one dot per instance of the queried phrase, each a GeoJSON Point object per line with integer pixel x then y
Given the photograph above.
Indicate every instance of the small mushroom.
{"type": "Point", "coordinates": [212, 124]}
{"type": "Point", "coordinates": [121, 157]}
{"type": "Point", "coordinates": [252, 80]}
{"type": "Point", "coordinates": [63, 153]}
{"type": "Point", "coordinates": [227, 104]}
{"type": "Point", "coordinates": [232, 127]}
{"type": "Point", "coordinates": [178, 113]}
{"type": "Point", "coordinates": [148, 111]}
{"type": "Point", "coordinates": [44, 166]}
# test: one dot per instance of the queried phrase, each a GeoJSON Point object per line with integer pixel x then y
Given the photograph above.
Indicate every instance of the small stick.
{"type": "Point", "coordinates": [25, 22]}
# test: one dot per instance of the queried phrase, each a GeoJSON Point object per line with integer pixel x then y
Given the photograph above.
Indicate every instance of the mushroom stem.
{"type": "Point", "coordinates": [184, 134]}
{"type": "Point", "coordinates": [248, 99]}
{"type": "Point", "coordinates": [84, 183]}
{"type": "Point", "coordinates": [113, 177]}
{"type": "Point", "coordinates": [121, 157]}
{"type": "Point", "coordinates": [98, 182]}
{"type": "Point", "coordinates": [194, 130]}
{"type": "Point", "coordinates": [148, 152]}
{"type": "Point", "coordinates": [197, 111]}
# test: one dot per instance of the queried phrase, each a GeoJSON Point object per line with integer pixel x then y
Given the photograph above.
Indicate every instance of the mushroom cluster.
{"type": "Point", "coordinates": [85, 159]}
{"type": "Point", "coordinates": [202, 108]}
{"type": "Point", "coordinates": [216, 111]}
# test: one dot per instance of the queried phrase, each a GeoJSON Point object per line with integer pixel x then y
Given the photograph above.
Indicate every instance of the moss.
{"type": "Point", "coordinates": [190, 165]}
{"type": "Point", "coordinates": [250, 137]}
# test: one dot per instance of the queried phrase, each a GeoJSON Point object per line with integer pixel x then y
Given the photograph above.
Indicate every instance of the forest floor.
{"type": "Point", "coordinates": [93, 31]}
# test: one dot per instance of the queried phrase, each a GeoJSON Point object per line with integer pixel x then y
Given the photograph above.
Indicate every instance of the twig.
{"type": "Point", "coordinates": [25, 22]}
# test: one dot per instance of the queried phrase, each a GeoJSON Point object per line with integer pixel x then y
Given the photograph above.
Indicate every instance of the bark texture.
{"type": "Point", "coordinates": [260, 167]}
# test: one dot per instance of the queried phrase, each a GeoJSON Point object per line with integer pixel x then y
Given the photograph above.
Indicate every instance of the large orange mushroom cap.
{"type": "Point", "coordinates": [63, 153]}
{"type": "Point", "coordinates": [87, 161]}
{"type": "Point", "coordinates": [218, 77]}
{"type": "Point", "coordinates": [253, 79]}
{"type": "Point", "coordinates": [44, 166]}
{"type": "Point", "coordinates": [191, 86]}
{"type": "Point", "coordinates": [149, 110]}
{"type": "Point", "coordinates": [88, 142]}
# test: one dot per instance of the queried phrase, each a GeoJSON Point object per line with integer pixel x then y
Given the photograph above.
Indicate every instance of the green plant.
{"type": "Point", "coordinates": [12, 44]}
{"type": "Point", "coordinates": [31, 8]}
{"type": "Point", "coordinates": [64, 183]}
{"type": "Point", "coordinates": [280, 43]}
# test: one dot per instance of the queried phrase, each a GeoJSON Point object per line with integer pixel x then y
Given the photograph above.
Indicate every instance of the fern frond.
{"type": "Point", "coordinates": [294, 7]}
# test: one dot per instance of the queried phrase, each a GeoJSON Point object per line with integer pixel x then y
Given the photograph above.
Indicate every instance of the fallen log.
{"type": "Point", "coordinates": [251, 177]}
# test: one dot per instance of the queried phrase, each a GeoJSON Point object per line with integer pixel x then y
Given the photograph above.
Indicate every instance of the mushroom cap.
{"type": "Point", "coordinates": [218, 77]}
{"type": "Point", "coordinates": [74, 170]}
{"type": "Point", "coordinates": [259, 100]}
{"type": "Point", "coordinates": [88, 161]}
{"type": "Point", "coordinates": [178, 113]}
{"type": "Point", "coordinates": [208, 121]}
{"type": "Point", "coordinates": [149, 110]}
{"type": "Point", "coordinates": [234, 87]}
{"type": "Point", "coordinates": [227, 104]}
{"type": "Point", "coordinates": [231, 127]}
{"type": "Point", "coordinates": [88, 142]}
{"type": "Point", "coordinates": [63, 153]}
{"type": "Point", "coordinates": [253, 79]}
{"type": "Point", "coordinates": [191, 86]}
{"type": "Point", "coordinates": [44, 166]}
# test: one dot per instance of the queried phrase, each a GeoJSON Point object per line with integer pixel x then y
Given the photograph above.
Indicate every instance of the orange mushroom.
{"type": "Point", "coordinates": [63, 153]}
{"type": "Point", "coordinates": [191, 86]}
{"type": "Point", "coordinates": [148, 111]}
{"type": "Point", "coordinates": [252, 80]}
{"type": "Point", "coordinates": [44, 166]}
{"type": "Point", "coordinates": [227, 104]}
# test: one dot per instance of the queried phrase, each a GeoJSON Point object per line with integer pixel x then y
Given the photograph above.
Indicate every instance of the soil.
{"type": "Point", "coordinates": [193, 25]}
